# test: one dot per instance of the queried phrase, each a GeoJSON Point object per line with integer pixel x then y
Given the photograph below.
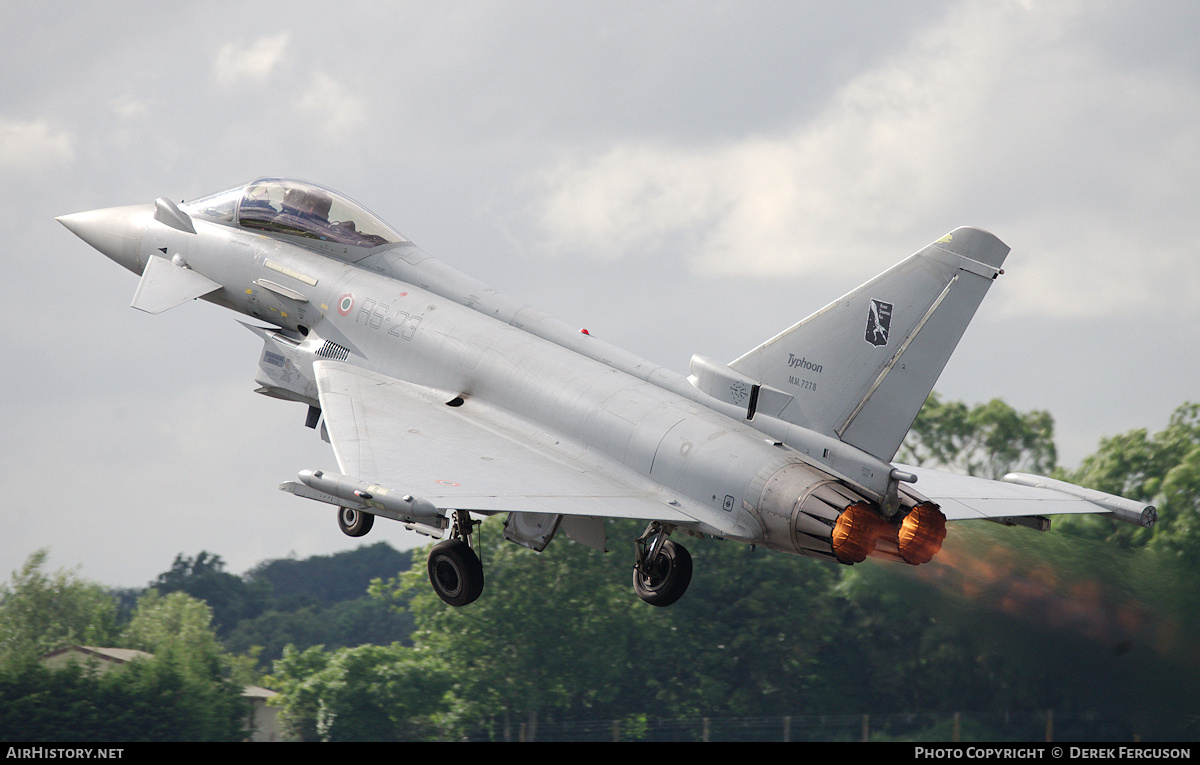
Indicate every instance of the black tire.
{"type": "Point", "coordinates": [455, 572]}
{"type": "Point", "coordinates": [668, 577]}
{"type": "Point", "coordinates": [354, 523]}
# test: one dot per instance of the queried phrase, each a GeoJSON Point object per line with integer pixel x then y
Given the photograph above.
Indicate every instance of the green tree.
{"type": "Point", "coordinates": [561, 636]}
{"type": "Point", "coordinates": [177, 629]}
{"type": "Point", "coordinates": [175, 622]}
{"type": "Point", "coordinates": [152, 699]}
{"type": "Point", "coordinates": [986, 440]}
{"type": "Point", "coordinates": [299, 699]}
{"type": "Point", "coordinates": [165, 699]}
{"type": "Point", "coordinates": [1163, 469]}
{"type": "Point", "coordinates": [366, 693]}
{"type": "Point", "coordinates": [338, 625]}
{"type": "Point", "coordinates": [1179, 531]}
{"type": "Point", "coordinates": [181, 693]}
{"type": "Point", "coordinates": [40, 612]}
{"type": "Point", "coordinates": [232, 598]}
{"type": "Point", "coordinates": [328, 579]}
{"type": "Point", "coordinates": [747, 639]}
{"type": "Point", "coordinates": [553, 632]}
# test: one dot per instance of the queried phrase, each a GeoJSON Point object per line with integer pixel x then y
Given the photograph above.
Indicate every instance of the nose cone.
{"type": "Point", "coordinates": [115, 231]}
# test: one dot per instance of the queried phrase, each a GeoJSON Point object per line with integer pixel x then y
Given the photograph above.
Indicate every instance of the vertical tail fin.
{"type": "Point", "coordinates": [860, 368]}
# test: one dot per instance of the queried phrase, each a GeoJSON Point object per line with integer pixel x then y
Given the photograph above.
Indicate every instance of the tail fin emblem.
{"type": "Point", "coordinates": [879, 322]}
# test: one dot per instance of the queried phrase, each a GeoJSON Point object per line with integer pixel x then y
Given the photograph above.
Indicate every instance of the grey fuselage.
{"type": "Point", "coordinates": [400, 312]}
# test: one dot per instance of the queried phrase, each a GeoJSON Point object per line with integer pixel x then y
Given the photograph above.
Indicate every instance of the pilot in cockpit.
{"type": "Point", "coordinates": [306, 210]}
{"type": "Point", "coordinates": [296, 208]}
{"type": "Point", "coordinates": [257, 203]}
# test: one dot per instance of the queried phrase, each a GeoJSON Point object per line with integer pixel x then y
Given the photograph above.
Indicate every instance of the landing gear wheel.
{"type": "Point", "coordinates": [354, 523]}
{"type": "Point", "coordinates": [666, 575]}
{"type": "Point", "coordinates": [455, 572]}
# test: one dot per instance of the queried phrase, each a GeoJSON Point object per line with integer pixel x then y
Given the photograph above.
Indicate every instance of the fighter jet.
{"type": "Point", "coordinates": [445, 400]}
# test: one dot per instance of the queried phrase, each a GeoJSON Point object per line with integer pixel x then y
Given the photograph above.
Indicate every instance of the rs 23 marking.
{"type": "Point", "coordinates": [375, 315]}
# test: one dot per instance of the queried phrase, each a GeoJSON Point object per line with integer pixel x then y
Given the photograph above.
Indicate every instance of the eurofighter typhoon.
{"type": "Point", "coordinates": [445, 400]}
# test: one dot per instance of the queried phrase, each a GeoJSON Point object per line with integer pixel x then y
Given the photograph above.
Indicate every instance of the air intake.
{"type": "Point", "coordinates": [333, 351]}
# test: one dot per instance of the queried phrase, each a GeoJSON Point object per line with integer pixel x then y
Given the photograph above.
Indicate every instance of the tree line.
{"type": "Point", "coordinates": [1094, 619]}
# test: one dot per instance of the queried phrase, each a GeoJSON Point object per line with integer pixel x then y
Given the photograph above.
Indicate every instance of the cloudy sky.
{"type": "Point", "coordinates": [678, 177]}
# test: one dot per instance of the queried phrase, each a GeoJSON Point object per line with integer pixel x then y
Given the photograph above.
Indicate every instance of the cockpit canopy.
{"type": "Point", "coordinates": [296, 208]}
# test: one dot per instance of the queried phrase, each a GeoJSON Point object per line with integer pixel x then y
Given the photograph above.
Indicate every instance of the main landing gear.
{"type": "Point", "coordinates": [455, 571]}
{"type": "Point", "coordinates": [662, 569]}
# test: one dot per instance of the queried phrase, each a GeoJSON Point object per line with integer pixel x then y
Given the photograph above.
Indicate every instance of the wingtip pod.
{"type": "Point", "coordinates": [1137, 513]}
{"type": "Point", "coordinates": [976, 244]}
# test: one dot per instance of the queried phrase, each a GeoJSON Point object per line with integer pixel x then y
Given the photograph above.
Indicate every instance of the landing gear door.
{"type": "Point", "coordinates": [532, 530]}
